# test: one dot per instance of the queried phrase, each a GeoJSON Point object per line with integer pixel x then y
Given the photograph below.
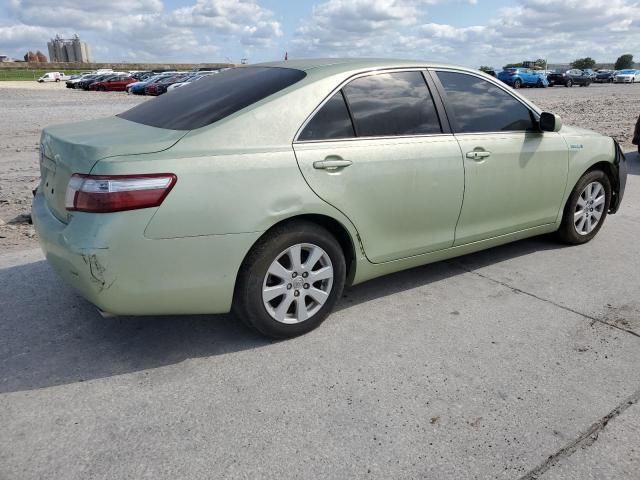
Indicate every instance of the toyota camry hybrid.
{"type": "Point", "coordinates": [266, 189]}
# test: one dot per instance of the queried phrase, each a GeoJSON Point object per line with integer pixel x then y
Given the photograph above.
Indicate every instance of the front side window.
{"type": "Point", "coordinates": [389, 104]}
{"type": "Point", "coordinates": [213, 98]}
{"type": "Point", "coordinates": [480, 106]}
{"type": "Point", "coordinates": [332, 121]}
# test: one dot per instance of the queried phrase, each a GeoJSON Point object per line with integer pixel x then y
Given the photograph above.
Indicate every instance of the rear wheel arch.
{"type": "Point", "coordinates": [343, 236]}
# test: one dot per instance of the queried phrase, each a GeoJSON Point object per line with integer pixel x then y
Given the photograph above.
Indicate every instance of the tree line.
{"type": "Point", "coordinates": [623, 62]}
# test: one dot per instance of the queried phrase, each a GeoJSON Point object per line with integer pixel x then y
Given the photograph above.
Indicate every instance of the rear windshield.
{"type": "Point", "coordinates": [213, 98]}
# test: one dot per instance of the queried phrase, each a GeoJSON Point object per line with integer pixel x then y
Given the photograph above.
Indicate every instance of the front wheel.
{"type": "Point", "coordinates": [586, 208]}
{"type": "Point", "coordinates": [291, 280]}
{"type": "Point", "coordinates": [517, 84]}
{"type": "Point", "coordinates": [568, 84]}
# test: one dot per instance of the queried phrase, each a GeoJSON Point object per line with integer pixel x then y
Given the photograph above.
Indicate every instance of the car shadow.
{"type": "Point", "coordinates": [633, 162]}
{"type": "Point", "coordinates": [51, 336]}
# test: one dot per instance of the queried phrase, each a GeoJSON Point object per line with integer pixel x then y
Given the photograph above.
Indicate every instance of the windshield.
{"type": "Point", "coordinates": [626, 72]}
{"type": "Point", "coordinates": [213, 98]}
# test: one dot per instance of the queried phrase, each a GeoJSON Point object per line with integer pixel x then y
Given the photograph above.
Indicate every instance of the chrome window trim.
{"type": "Point", "coordinates": [388, 137]}
{"type": "Point", "coordinates": [355, 77]}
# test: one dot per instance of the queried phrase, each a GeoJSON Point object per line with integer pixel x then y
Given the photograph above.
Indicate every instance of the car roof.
{"type": "Point", "coordinates": [340, 65]}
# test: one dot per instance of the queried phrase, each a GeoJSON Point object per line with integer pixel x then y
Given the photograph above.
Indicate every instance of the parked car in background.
{"type": "Point", "coordinates": [137, 88]}
{"type": "Point", "coordinates": [589, 73]}
{"type": "Point", "coordinates": [628, 76]}
{"type": "Point", "coordinates": [139, 76]}
{"type": "Point", "coordinates": [569, 78]}
{"type": "Point", "coordinates": [117, 83]}
{"type": "Point", "coordinates": [194, 77]}
{"type": "Point", "coordinates": [160, 87]}
{"type": "Point", "coordinates": [53, 77]}
{"type": "Point", "coordinates": [522, 77]}
{"type": "Point", "coordinates": [73, 79]}
{"type": "Point", "coordinates": [75, 82]}
{"type": "Point", "coordinates": [86, 82]}
{"type": "Point", "coordinates": [604, 76]}
{"type": "Point", "coordinates": [92, 85]}
{"type": "Point", "coordinates": [289, 194]}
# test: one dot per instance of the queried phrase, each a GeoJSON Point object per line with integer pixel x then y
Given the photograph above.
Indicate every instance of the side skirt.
{"type": "Point", "coordinates": [367, 271]}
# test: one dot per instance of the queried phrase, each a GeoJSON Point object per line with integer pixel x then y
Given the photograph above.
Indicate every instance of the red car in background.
{"type": "Point", "coordinates": [114, 84]}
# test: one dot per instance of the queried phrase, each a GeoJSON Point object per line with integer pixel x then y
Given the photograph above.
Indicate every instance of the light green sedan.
{"type": "Point", "coordinates": [266, 189]}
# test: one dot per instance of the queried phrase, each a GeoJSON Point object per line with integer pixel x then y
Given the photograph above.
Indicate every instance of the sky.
{"type": "Point", "coordinates": [466, 32]}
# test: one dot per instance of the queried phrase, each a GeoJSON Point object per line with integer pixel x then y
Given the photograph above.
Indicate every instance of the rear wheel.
{"type": "Point", "coordinates": [517, 83]}
{"type": "Point", "coordinates": [569, 83]}
{"type": "Point", "coordinates": [586, 208]}
{"type": "Point", "coordinates": [291, 280]}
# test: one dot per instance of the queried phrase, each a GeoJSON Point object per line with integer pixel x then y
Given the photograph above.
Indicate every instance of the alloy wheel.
{"type": "Point", "coordinates": [297, 283]}
{"type": "Point", "coordinates": [589, 208]}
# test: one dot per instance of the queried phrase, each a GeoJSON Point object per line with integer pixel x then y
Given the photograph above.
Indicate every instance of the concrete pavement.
{"type": "Point", "coordinates": [518, 362]}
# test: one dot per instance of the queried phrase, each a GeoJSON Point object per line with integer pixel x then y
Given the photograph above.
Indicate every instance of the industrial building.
{"type": "Point", "coordinates": [71, 50]}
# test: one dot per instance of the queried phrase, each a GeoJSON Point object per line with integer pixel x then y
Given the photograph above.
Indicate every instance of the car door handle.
{"type": "Point", "coordinates": [478, 155]}
{"type": "Point", "coordinates": [331, 164]}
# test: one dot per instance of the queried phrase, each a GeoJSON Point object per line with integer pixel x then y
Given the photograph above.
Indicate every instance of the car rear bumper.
{"type": "Point", "coordinates": [107, 258]}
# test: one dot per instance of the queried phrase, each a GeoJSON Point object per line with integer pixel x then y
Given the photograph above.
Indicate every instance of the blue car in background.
{"type": "Point", "coordinates": [523, 77]}
{"type": "Point", "coordinates": [137, 88]}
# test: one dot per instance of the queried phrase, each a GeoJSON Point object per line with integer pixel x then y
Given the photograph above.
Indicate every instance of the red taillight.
{"type": "Point", "coordinates": [116, 193]}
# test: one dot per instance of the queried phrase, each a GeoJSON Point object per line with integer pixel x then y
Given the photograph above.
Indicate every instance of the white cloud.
{"type": "Point", "coordinates": [145, 29]}
{"type": "Point", "coordinates": [561, 31]}
{"type": "Point", "coordinates": [204, 29]}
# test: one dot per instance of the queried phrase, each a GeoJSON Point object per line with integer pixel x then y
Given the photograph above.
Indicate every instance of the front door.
{"type": "Point", "coordinates": [391, 171]}
{"type": "Point", "coordinates": [515, 175]}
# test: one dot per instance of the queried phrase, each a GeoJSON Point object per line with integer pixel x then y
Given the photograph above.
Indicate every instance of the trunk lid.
{"type": "Point", "coordinates": [77, 147]}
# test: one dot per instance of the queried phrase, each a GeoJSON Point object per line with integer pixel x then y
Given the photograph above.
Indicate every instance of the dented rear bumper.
{"type": "Point", "coordinates": [107, 258]}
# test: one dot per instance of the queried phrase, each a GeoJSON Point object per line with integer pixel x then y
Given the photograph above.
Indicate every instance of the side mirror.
{"type": "Point", "coordinates": [550, 122]}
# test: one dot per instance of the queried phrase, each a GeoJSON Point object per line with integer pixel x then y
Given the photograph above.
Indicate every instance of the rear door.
{"type": "Point", "coordinates": [515, 173]}
{"type": "Point", "coordinates": [376, 150]}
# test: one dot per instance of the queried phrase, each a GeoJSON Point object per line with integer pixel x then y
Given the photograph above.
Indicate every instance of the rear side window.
{"type": "Point", "coordinates": [332, 121]}
{"type": "Point", "coordinates": [480, 106]}
{"type": "Point", "coordinates": [213, 98]}
{"type": "Point", "coordinates": [389, 104]}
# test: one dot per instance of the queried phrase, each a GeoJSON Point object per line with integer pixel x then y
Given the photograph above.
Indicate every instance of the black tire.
{"type": "Point", "coordinates": [540, 84]}
{"type": "Point", "coordinates": [57, 80]}
{"type": "Point", "coordinates": [568, 84]}
{"type": "Point", "coordinates": [587, 84]}
{"type": "Point", "coordinates": [517, 83]}
{"type": "Point", "coordinates": [567, 231]}
{"type": "Point", "coordinates": [101, 89]}
{"type": "Point", "coordinates": [248, 304]}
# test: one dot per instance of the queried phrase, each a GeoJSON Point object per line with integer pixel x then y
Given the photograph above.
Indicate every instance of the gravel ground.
{"type": "Point", "coordinates": [28, 107]}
